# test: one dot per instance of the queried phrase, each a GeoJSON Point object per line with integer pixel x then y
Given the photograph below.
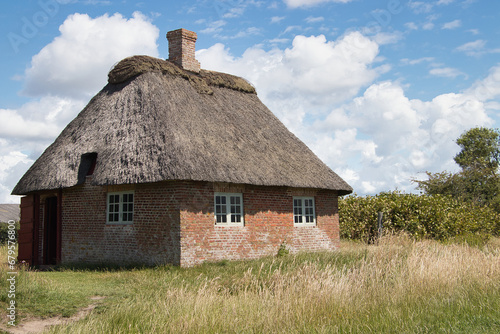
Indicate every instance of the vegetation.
{"type": "Point", "coordinates": [4, 232]}
{"type": "Point", "coordinates": [478, 182]}
{"type": "Point", "coordinates": [398, 286]}
{"type": "Point", "coordinates": [421, 216]}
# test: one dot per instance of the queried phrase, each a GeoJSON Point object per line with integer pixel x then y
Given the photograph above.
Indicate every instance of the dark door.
{"type": "Point", "coordinates": [50, 242]}
{"type": "Point", "coordinates": [28, 232]}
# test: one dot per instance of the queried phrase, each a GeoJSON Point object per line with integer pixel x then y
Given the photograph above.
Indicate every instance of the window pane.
{"type": "Point", "coordinates": [228, 208]}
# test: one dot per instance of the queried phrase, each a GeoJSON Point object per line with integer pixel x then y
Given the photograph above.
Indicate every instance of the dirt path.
{"type": "Point", "coordinates": [39, 325]}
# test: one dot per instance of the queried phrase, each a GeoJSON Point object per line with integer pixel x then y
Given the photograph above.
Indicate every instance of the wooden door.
{"type": "Point", "coordinates": [28, 232]}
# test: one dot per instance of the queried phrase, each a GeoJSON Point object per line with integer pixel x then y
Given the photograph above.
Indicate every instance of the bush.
{"type": "Point", "coordinates": [421, 216]}
{"type": "Point", "coordinates": [4, 232]}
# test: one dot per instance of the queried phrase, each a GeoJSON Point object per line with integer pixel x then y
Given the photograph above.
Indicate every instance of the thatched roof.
{"type": "Point", "coordinates": [155, 121]}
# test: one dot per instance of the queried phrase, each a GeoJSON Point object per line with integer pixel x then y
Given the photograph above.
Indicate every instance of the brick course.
{"type": "Point", "coordinates": [174, 223]}
{"type": "Point", "coordinates": [181, 49]}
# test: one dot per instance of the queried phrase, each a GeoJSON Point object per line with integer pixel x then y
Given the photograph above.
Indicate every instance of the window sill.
{"type": "Point", "coordinates": [226, 225]}
{"type": "Point", "coordinates": [120, 223]}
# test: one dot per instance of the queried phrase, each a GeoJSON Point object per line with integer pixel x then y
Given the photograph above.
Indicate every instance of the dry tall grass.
{"type": "Point", "coordinates": [397, 286]}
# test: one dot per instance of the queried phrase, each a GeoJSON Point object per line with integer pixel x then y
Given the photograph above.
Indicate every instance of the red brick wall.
{"type": "Point", "coordinates": [268, 217]}
{"type": "Point", "coordinates": [174, 223]}
{"type": "Point", "coordinates": [152, 239]}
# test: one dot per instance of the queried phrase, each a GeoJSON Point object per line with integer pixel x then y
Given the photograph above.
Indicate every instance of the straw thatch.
{"type": "Point", "coordinates": [133, 66]}
{"type": "Point", "coordinates": [152, 123]}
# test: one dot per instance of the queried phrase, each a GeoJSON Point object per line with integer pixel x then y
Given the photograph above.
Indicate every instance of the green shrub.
{"type": "Point", "coordinates": [4, 232]}
{"type": "Point", "coordinates": [421, 216]}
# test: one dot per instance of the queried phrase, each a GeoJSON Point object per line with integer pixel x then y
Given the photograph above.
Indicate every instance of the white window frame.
{"type": "Point", "coordinates": [121, 210]}
{"type": "Point", "coordinates": [227, 209]}
{"type": "Point", "coordinates": [303, 212]}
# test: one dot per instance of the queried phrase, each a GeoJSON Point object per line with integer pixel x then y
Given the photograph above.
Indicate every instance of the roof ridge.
{"type": "Point", "coordinates": [134, 66]}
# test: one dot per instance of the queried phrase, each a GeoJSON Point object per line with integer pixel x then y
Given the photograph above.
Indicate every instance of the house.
{"type": "Point", "coordinates": [170, 163]}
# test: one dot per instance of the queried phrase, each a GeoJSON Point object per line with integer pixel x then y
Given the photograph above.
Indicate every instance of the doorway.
{"type": "Point", "coordinates": [50, 240]}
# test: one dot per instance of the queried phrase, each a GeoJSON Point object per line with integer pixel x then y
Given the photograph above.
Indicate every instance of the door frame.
{"type": "Point", "coordinates": [52, 233]}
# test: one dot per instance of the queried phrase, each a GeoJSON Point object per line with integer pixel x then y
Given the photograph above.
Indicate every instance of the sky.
{"type": "Point", "coordinates": [379, 90]}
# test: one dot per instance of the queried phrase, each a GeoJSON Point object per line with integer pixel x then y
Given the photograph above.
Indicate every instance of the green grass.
{"type": "Point", "coordinates": [397, 286]}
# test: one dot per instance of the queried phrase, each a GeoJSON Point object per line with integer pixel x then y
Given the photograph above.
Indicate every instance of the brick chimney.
{"type": "Point", "coordinates": [181, 45]}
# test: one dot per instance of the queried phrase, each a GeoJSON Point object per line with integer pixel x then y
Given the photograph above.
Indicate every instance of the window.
{"type": "Point", "coordinates": [121, 208]}
{"type": "Point", "coordinates": [228, 209]}
{"type": "Point", "coordinates": [303, 211]}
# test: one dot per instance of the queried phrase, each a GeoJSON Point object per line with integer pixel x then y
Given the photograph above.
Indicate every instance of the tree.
{"type": "Point", "coordinates": [478, 181]}
{"type": "Point", "coordinates": [480, 149]}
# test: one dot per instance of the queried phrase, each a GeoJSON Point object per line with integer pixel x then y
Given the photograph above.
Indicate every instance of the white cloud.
{"type": "Point", "coordinates": [383, 38]}
{"type": "Point", "coordinates": [428, 26]}
{"type": "Point", "coordinates": [44, 118]}
{"type": "Point", "coordinates": [419, 7]}
{"type": "Point", "coordinates": [75, 64]}
{"type": "Point", "coordinates": [475, 48]}
{"type": "Point", "coordinates": [12, 166]}
{"type": "Point", "coordinates": [452, 25]}
{"type": "Point", "coordinates": [214, 27]}
{"type": "Point", "coordinates": [417, 61]}
{"type": "Point", "coordinates": [279, 40]}
{"type": "Point", "coordinates": [488, 88]}
{"type": "Point", "coordinates": [310, 3]}
{"type": "Point", "coordinates": [411, 26]}
{"type": "Point", "coordinates": [402, 137]}
{"type": "Point", "coordinates": [445, 2]}
{"type": "Point", "coordinates": [312, 19]}
{"type": "Point", "coordinates": [277, 19]}
{"type": "Point", "coordinates": [447, 72]}
{"type": "Point", "coordinates": [313, 68]}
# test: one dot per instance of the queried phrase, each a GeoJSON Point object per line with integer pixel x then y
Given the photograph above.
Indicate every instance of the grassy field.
{"type": "Point", "coordinates": [397, 286]}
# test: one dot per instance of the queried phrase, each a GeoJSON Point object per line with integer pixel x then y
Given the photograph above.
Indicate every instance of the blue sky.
{"type": "Point", "coordinates": [379, 90]}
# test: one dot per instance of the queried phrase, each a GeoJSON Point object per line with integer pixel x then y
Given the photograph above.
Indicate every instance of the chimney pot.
{"type": "Point", "coordinates": [181, 47]}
